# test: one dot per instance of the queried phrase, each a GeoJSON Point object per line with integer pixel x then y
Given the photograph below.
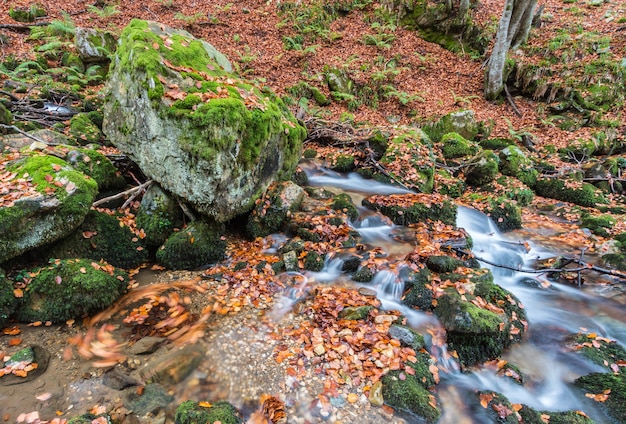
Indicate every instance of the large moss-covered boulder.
{"type": "Point", "coordinates": [199, 243]}
{"type": "Point", "coordinates": [69, 289]}
{"type": "Point", "coordinates": [158, 215]}
{"type": "Point", "coordinates": [200, 131]}
{"type": "Point", "coordinates": [45, 200]}
{"type": "Point", "coordinates": [7, 299]}
{"type": "Point", "coordinates": [101, 236]}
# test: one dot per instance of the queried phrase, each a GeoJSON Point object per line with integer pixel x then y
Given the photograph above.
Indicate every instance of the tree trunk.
{"type": "Point", "coordinates": [512, 31]}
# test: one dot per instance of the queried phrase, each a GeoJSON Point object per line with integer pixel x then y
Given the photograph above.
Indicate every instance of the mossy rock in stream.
{"type": "Point", "coordinates": [191, 412]}
{"type": "Point", "coordinates": [199, 244]}
{"type": "Point", "coordinates": [101, 236]}
{"type": "Point", "coordinates": [69, 289]}
{"type": "Point", "coordinates": [482, 322]}
{"type": "Point", "coordinates": [582, 194]}
{"type": "Point", "coordinates": [531, 416]}
{"type": "Point", "coordinates": [415, 150]}
{"type": "Point", "coordinates": [406, 393]}
{"type": "Point", "coordinates": [89, 418]}
{"type": "Point", "coordinates": [418, 290]}
{"type": "Point", "coordinates": [343, 202]}
{"type": "Point", "coordinates": [611, 385]}
{"type": "Point", "coordinates": [272, 211]}
{"type": "Point", "coordinates": [405, 209]}
{"type": "Point", "coordinates": [599, 350]}
{"type": "Point", "coordinates": [8, 300]}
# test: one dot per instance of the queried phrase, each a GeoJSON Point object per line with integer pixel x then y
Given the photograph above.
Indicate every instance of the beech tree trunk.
{"type": "Point", "coordinates": [512, 32]}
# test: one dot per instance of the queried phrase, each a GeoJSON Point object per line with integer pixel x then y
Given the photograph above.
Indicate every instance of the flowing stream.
{"type": "Point", "coordinates": [554, 311]}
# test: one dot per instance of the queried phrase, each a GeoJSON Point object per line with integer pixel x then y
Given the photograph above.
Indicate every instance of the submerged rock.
{"type": "Point", "coordinates": [203, 133]}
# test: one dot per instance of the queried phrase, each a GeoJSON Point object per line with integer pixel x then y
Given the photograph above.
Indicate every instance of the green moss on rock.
{"type": "Point", "coordinates": [84, 130]}
{"type": "Point", "coordinates": [582, 194]}
{"type": "Point", "coordinates": [8, 301]}
{"type": "Point", "coordinates": [482, 169]}
{"type": "Point", "coordinates": [68, 289]}
{"type": "Point", "coordinates": [94, 164]}
{"type": "Point", "coordinates": [614, 385]}
{"type": "Point", "coordinates": [191, 412]}
{"type": "Point", "coordinates": [101, 236]}
{"type": "Point", "coordinates": [600, 351]}
{"type": "Point", "coordinates": [158, 216]}
{"type": "Point", "coordinates": [405, 393]}
{"type": "Point", "coordinates": [598, 224]}
{"type": "Point", "coordinates": [343, 163]}
{"type": "Point", "coordinates": [198, 244]}
{"type": "Point", "coordinates": [456, 146]}
{"type": "Point", "coordinates": [343, 202]}
{"type": "Point", "coordinates": [405, 209]}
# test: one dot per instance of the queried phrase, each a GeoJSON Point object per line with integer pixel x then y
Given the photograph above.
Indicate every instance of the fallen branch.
{"type": "Point", "coordinates": [509, 98]}
{"type": "Point", "coordinates": [16, 27]}
{"type": "Point", "coordinates": [583, 267]}
{"type": "Point", "coordinates": [37, 139]}
{"type": "Point", "coordinates": [133, 192]}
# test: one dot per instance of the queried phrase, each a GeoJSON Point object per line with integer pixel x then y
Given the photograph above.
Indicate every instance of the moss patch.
{"type": "Point", "coordinates": [68, 289]}
{"type": "Point", "coordinates": [7, 300]}
{"type": "Point", "coordinates": [405, 209]}
{"type": "Point", "coordinates": [198, 244]}
{"type": "Point", "coordinates": [191, 412]}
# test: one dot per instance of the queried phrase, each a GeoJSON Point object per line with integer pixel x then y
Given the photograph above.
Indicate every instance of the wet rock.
{"type": "Point", "coordinates": [313, 261]}
{"type": "Point", "coordinates": [611, 385]}
{"type": "Point", "coordinates": [343, 202]}
{"type": "Point", "coordinates": [351, 264]}
{"type": "Point", "coordinates": [291, 261]}
{"type": "Point", "coordinates": [34, 357]}
{"type": "Point", "coordinates": [443, 263]}
{"type": "Point", "coordinates": [173, 367]}
{"type": "Point", "coordinates": [271, 213]}
{"type": "Point", "coordinates": [146, 345]}
{"type": "Point", "coordinates": [599, 350]}
{"type": "Point", "coordinates": [363, 275]}
{"type": "Point", "coordinates": [153, 399]}
{"type": "Point", "coordinates": [407, 336]}
{"type": "Point", "coordinates": [191, 412]}
{"type": "Point", "coordinates": [405, 209]}
{"type": "Point", "coordinates": [118, 380]}
{"type": "Point", "coordinates": [376, 394]}
{"type": "Point", "coordinates": [407, 395]}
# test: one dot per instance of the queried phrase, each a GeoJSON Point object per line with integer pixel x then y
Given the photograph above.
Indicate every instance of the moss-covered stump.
{"type": "Point", "coordinates": [222, 140]}
{"type": "Point", "coordinates": [101, 236]}
{"type": "Point", "coordinates": [409, 157]}
{"type": "Point", "coordinates": [610, 389]}
{"type": "Point", "coordinates": [48, 199]}
{"type": "Point", "coordinates": [482, 169]}
{"type": "Point", "coordinates": [7, 299]}
{"type": "Point", "coordinates": [481, 318]}
{"type": "Point", "coordinates": [405, 209]}
{"type": "Point", "coordinates": [198, 244]}
{"type": "Point", "coordinates": [68, 289]}
{"type": "Point", "coordinates": [456, 146]}
{"type": "Point", "coordinates": [272, 211]}
{"type": "Point", "coordinates": [158, 215]}
{"type": "Point", "coordinates": [407, 394]}
{"type": "Point", "coordinates": [582, 194]}
{"type": "Point", "coordinates": [191, 412]}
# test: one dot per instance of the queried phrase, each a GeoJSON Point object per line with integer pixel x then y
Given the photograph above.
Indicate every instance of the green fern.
{"type": "Point", "coordinates": [106, 12]}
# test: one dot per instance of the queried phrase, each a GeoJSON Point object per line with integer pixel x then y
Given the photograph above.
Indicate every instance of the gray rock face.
{"type": "Point", "coordinates": [94, 45]}
{"type": "Point", "coordinates": [203, 134]}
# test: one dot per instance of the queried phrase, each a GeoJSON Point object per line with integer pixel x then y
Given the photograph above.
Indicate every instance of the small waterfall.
{"type": "Point", "coordinates": [388, 286]}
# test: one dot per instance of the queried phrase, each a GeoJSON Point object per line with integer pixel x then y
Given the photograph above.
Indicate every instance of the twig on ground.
{"type": "Point", "coordinates": [511, 101]}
